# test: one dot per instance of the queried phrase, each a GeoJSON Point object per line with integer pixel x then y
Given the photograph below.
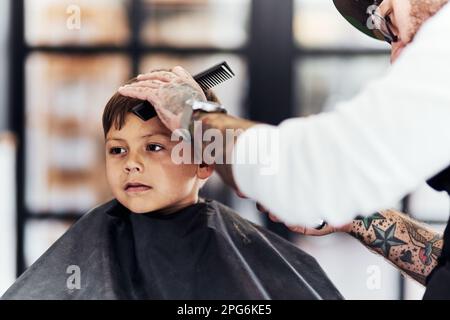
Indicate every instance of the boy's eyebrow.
{"type": "Point", "coordinates": [142, 137]}
{"type": "Point", "coordinates": [156, 133]}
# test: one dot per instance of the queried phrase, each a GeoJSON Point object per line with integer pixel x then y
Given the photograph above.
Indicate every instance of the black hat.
{"type": "Point", "coordinates": [357, 13]}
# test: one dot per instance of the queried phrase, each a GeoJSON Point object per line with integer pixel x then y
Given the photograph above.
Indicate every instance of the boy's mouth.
{"type": "Point", "coordinates": [136, 187]}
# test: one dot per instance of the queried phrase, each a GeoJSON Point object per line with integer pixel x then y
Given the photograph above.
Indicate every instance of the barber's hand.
{"type": "Point", "coordinates": [327, 229]}
{"type": "Point", "coordinates": [167, 92]}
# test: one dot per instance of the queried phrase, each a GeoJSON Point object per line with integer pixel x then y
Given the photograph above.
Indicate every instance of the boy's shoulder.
{"type": "Point", "coordinates": [83, 246]}
{"type": "Point", "coordinates": [260, 246]}
{"type": "Point", "coordinates": [234, 221]}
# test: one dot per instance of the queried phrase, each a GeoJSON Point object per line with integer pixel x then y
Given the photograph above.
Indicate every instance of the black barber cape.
{"type": "Point", "coordinates": [204, 251]}
{"type": "Point", "coordinates": [438, 282]}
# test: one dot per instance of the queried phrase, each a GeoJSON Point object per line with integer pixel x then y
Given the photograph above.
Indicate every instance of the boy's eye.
{"type": "Point", "coordinates": [154, 147]}
{"type": "Point", "coordinates": [116, 150]}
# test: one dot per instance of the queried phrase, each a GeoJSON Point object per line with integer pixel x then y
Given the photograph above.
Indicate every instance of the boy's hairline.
{"type": "Point", "coordinates": [112, 123]}
{"type": "Point", "coordinates": [151, 133]}
{"type": "Point", "coordinates": [141, 137]}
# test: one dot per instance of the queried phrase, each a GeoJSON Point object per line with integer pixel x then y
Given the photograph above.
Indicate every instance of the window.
{"type": "Point", "coordinates": [73, 56]}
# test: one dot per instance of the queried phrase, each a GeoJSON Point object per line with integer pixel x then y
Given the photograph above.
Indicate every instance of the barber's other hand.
{"type": "Point", "coordinates": [167, 91]}
{"type": "Point", "coordinates": [327, 229]}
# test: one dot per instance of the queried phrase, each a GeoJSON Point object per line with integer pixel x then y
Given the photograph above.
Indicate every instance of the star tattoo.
{"type": "Point", "coordinates": [367, 221]}
{"type": "Point", "coordinates": [386, 239]}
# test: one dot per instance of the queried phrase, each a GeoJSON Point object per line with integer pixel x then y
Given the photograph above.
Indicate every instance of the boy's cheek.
{"type": "Point", "coordinates": [181, 173]}
{"type": "Point", "coordinates": [112, 175]}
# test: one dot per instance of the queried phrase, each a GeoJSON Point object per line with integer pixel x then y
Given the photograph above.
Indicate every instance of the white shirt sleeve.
{"type": "Point", "coordinates": [368, 153]}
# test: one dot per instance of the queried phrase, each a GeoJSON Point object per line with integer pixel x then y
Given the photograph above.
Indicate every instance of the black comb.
{"type": "Point", "coordinates": [207, 79]}
{"type": "Point", "coordinates": [214, 76]}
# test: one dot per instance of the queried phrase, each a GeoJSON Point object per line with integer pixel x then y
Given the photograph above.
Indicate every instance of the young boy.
{"type": "Point", "coordinates": [139, 166]}
{"type": "Point", "coordinates": [158, 240]}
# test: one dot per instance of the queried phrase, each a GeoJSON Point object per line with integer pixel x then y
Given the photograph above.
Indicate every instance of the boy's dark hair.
{"type": "Point", "coordinates": [118, 106]}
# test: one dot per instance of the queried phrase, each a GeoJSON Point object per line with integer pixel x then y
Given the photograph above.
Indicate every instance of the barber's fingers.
{"type": "Point", "coordinates": [240, 194]}
{"type": "Point", "coordinates": [185, 76]}
{"type": "Point", "coordinates": [182, 73]}
{"type": "Point", "coordinates": [165, 76]}
{"type": "Point", "coordinates": [312, 231]}
{"type": "Point", "coordinates": [327, 229]}
{"type": "Point", "coordinates": [297, 229]}
{"type": "Point", "coordinates": [261, 208]}
{"type": "Point", "coordinates": [273, 218]}
{"type": "Point", "coordinates": [151, 84]}
{"type": "Point", "coordinates": [139, 92]}
{"type": "Point", "coordinates": [134, 92]}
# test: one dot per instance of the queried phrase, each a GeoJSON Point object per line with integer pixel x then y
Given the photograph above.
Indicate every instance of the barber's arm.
{"type": "Point", "coordinates": [411, 246]}
{"type": "Point", "coordinates": [368, 153]}
{"type": "Point", "coordinates": [359, 159]}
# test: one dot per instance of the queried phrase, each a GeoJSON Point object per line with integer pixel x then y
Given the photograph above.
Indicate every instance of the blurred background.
{"type": "Point", "coordinates": [61, 60]}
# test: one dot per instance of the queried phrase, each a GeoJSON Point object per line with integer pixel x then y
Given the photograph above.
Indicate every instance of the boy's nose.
{"type": "Point", "coordinates": [133, 162]}
{"type": "Point", "coordinates": [131, 169]}
{"type": "Point", "coordinates": [132, 165]}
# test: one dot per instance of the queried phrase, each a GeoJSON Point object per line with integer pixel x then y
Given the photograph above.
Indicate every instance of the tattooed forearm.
{"type": "Point", "coordinates": [411, 246]}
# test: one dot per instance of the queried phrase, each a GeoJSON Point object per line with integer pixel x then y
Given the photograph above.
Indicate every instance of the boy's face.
{"type": "Point", "coordinates": [141, 153]}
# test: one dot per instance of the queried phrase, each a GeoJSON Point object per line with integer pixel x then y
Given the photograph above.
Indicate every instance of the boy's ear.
{"type": "Point", "coordinates": [204, 170]}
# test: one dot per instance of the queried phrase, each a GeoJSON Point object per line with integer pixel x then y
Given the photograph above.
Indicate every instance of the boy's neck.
{"type": "Point", "coordinates": [179, 206]}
